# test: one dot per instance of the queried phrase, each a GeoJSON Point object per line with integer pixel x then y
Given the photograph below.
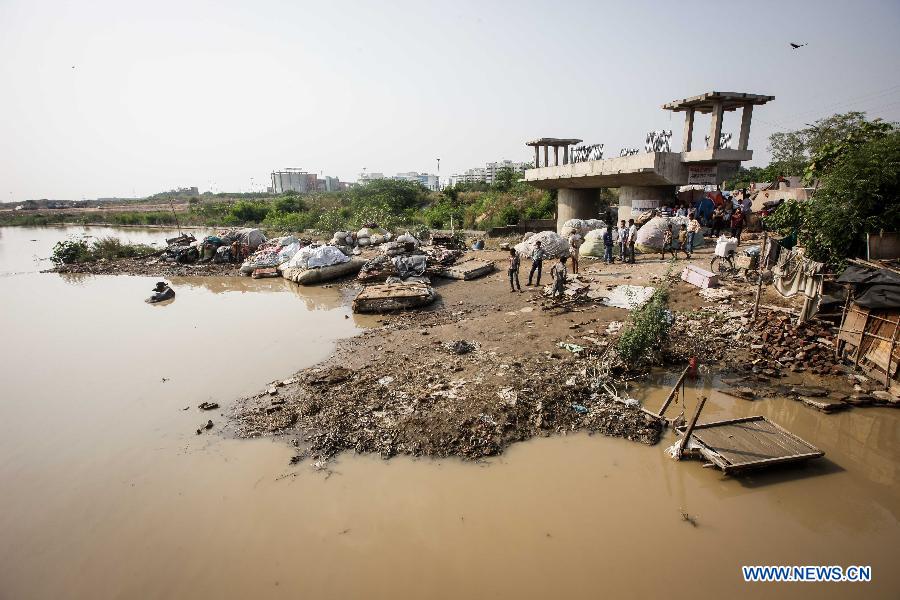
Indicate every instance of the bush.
{"type": "Point", "coordinates": [647, 327]}
{"type": "Point", "coordinates": [70, 251]}
{"type": "Point", "coordinates": [247, 212]}
{"type": "Point", "coordinates": [290, 221]}
{"type": "Point", "coordinates": [109, 248]}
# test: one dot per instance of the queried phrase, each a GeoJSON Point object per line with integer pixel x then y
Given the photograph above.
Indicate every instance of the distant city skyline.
{"type": "Point", "coordinates": [108, 99]}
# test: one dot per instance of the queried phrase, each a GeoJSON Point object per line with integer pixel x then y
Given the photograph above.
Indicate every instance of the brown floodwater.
{"type": "Point", "coordinates": [107, 492]}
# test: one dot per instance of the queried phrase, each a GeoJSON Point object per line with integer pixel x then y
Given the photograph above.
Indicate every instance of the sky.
{"type": "Point", "coordinates": [102, 98]}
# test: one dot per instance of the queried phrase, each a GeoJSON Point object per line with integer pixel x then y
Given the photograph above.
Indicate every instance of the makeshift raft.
{"type": "Point", "coordinates": [466, 270]}
{"type": "Point", "coordinates": [322, 274]}
{"type": "Point", "coordinates": [386, 297]}
{"type": "Point", "coordinates": [739, 445]}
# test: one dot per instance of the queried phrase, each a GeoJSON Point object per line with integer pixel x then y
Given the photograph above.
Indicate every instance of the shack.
{"type": "Point", "coordinates": [870, 323]}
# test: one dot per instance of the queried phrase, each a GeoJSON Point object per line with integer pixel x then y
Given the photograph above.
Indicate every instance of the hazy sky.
{"type": "Point", "coordinates": [211, 94]}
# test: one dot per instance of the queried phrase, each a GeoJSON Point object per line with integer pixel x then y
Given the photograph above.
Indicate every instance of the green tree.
{"type": "Point", "coordinates": [289, 203]}
{"type": "Point", "coordinates": [792, 150]}
{"type": "Point", "coordinates": [397, 196]}
{"type": "Point", "coordinates": [859, 185]}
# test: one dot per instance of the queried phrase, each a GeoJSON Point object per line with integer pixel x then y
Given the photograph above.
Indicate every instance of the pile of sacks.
{"type": "Point", "coordinates": [650, 235]}
{"type": "Point", "coordinates": [182, 249]}
{"type": "Point", "coordinates": [272, 253]}
{"type": "Point", "coordinates": [593, 242]}
{"type": "Point", "coordinates": [553, 244]}
{"type": "Point", "coordinates": [581, 227]}
{"type": "Point", "coordinates": [314, 257]}
{"type": "Point", "coordinates": [402, 259]}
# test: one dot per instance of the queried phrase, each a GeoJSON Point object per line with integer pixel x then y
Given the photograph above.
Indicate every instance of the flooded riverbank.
{"type": "Point", "coordinates": [108, 492]}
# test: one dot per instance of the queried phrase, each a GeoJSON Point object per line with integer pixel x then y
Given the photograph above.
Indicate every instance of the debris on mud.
{"type": "Point", "coordinates": [472, 405]}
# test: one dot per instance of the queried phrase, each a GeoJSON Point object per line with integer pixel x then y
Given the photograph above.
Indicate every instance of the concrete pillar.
{"type": "Point", "coordinates": [634, 199]}
{"type": "Point", "coordinates": [566, 154]}
{"type": "Point", "coordinates": [555, 156]}
{"type": "Point", "coordinates": [688, 130]}
{"type": "Point", "coordinates": [575, 204]}
{"type": "Point", "coordinates": [715, 126]}
{"type": "Point", "coordinates": [546, 156]}
{"type": "Point", "coordinates": [746, 116]}
{"type": "Point", "coordinates": [537, 157]}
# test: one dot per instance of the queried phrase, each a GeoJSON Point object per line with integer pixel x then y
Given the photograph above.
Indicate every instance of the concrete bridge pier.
{"type": "Point", "coordinates": [575, 204]}
{"type": "Point", "coordinates": [634, 199]}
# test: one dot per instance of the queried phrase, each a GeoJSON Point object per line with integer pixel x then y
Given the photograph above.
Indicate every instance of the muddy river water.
{"type": "Point", "coordinates": [107, 491]}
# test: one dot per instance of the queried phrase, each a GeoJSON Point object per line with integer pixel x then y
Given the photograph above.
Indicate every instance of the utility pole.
{"type": "Point", "coordinates": [762, 255]}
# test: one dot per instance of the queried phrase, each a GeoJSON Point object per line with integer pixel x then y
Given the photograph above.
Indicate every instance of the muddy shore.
{"type": "Point", "coordinates": [483, 368]}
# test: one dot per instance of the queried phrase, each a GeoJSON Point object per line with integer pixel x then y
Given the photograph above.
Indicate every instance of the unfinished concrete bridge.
{"type": "Point", "coordinates": [646, 180]}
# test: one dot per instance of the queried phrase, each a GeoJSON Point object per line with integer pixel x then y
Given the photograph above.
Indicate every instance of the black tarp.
{"type": "Point", "coordinates": [876, 289]}
{"type": "Point", "coordinates": [863, 275]}
{"type": "Point", "coordinates": [879, 297]}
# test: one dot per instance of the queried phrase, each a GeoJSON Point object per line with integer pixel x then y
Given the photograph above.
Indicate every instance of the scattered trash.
{"type": "Point", "coordinates": [208, 405]}
{"type": "Point", "coordinates": [628, 297]}
{"type": "Point", "coordinates": [460, 347]}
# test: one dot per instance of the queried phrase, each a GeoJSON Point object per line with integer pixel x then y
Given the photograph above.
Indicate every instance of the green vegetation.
{"type": "Point", "coordinates": [79, 250]}
{"type": "Point", "coordinates": [645, 331]}
{"type": "Point", "coordinates": [390, 204]}
{"type": "Point", "coordinates": [858, 186]}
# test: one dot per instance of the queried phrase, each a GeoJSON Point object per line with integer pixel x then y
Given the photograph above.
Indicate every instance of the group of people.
{"type": "Point", "coordinates": [725, 217]}
{"type": "Point", "coordinates": [558, 271]}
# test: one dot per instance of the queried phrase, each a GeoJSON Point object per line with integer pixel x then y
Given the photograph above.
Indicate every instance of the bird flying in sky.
{"type": "Point", "coordinates": [795, 46]}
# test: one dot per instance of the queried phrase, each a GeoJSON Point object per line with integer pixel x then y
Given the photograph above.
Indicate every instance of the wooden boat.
{"type": "Point", "coordinates": [322, 274]}
{"type": "Point", "coordinates": [386, 297]}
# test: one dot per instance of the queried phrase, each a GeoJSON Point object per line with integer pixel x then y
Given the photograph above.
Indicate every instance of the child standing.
{"type": "Point", "coordinates": [683, 242]}
{"type": "Point", "coordinates": [667, 242]}
{"type": "Point", "coordinates": [513, 271]}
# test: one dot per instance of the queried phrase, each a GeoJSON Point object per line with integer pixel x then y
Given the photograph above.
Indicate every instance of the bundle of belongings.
{"type": "Point", "coordinates": [581, 227]}
{"type": "Point", "coordinates": [652, 233]}
{"type": "Point", "coordinates": [593, 242]}
{"type": "Point", "coordinates": [371, 235]}
{"type": "Point", "coordinates": [553, 245]}
{"type": "Point", "coordinates": [232, 245]}
{"type": "Point", "coordinates": [400, 258]}
{"type": "Point", "coordinates": [182, 249]}
{"type": "Point", "coordinates": [316, 264]}
{"type": "Point", "coordinates": [272, 253]}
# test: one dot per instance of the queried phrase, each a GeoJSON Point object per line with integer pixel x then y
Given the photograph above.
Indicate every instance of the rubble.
{"type": "Point", "coordinates": [469, 405]}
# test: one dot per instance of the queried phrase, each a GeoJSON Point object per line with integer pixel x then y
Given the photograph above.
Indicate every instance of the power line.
{"type": "Point", "coordinates": [853, 101]}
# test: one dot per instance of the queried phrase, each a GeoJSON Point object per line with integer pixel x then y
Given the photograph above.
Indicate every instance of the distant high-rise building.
{"type": "Point", "coordinates": [294, 180]}
{"type": "Point", "coordinates": [426, 179]}
{"type": "Point", "coordinates": [489, 173]}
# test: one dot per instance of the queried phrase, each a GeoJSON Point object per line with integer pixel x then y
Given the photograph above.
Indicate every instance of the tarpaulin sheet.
{"type": "Point", "coordinates": [879, 296]}
{"type": "Point", "coordinates": [864, 275]}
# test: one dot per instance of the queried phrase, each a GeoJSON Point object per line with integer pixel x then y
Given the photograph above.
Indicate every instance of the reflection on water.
{"type": "Point", "coordinates": [109, 493]}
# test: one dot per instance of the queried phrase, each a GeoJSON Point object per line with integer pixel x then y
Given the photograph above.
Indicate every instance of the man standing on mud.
{"type": "Point", "coordinates": [623, 242]}
{"type": "Point", "coordinates": [632, 238]}
{"type": "Point", "coordinates": [537, 263]}
{"type": "Point", "coordinates": [558, 273]}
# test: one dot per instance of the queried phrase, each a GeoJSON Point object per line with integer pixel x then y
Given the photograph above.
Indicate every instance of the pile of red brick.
{"type": "Point", "coordinates": [805, 347]}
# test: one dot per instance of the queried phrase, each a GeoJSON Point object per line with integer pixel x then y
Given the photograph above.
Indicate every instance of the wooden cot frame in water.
{"type": "Point", "coordinates": [739, 445]}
